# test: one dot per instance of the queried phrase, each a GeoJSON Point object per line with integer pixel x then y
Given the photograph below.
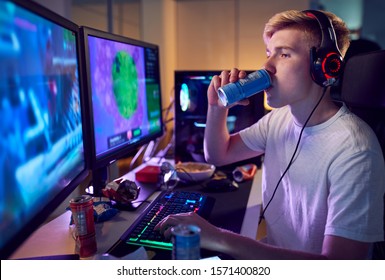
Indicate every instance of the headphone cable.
{"type": "Point", "coordinates": [262, 216]}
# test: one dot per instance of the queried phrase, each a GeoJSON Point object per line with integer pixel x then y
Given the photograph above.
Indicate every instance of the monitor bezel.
{"type": "Point", "coordinates": [41, 216]}
{"type": "Point", "coordinates": [99, 163]}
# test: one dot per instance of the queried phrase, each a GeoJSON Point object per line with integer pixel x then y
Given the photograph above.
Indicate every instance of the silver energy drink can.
{"type": "Point", "coordinates": [255, 82]}
{"type": "Point", "coordinates": [186, 242]}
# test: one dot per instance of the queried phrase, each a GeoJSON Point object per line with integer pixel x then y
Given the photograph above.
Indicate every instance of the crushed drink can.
{"type": "Point", "coordinates": [244, 172]}
{"type": "Point", "coordinates": [253, 83]}
{"type": "Point", "coordinates": [186, 242]}
{"type": "Point", "coordinates": [83, 216]}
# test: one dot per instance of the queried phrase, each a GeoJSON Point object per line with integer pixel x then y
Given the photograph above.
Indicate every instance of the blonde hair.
{"type": "Point", "coordinates": [300, 21]}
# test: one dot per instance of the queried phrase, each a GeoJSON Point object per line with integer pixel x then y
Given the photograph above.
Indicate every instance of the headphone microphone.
{"type": "Point", "coordinates": [326, 62]}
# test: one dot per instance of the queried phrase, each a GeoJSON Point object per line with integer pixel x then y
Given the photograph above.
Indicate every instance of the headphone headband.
{"type": "Point", "coordinates": [325, 62]}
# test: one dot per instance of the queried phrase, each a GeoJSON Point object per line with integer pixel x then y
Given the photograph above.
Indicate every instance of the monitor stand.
{"type": "Point", "coordinates": [99, 181]}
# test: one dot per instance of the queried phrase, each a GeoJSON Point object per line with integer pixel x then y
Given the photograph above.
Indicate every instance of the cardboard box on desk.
{"type": "Point", "coordinates": [148, 174]}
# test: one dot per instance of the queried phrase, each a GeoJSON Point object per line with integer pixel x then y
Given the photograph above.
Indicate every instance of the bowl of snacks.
{"type": "Point", "coordinates": [194, 171]}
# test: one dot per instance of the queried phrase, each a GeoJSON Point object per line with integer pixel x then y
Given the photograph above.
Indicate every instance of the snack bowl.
{"type": "Point", "coordinates": [194, 171]}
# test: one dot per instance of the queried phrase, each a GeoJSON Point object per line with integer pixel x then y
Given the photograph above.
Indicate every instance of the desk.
{"type": "Point", "coordinates": [55, 237]}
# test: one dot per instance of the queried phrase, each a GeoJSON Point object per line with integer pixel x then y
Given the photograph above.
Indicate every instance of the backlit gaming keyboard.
{"type": "Point", "coordinates": [142, 231]}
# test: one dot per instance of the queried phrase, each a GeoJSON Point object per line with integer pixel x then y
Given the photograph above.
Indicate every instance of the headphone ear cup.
{"type": "Point", "coordinates": [332, 65]}
{"type": "Point", "coordinates": [326, 63]}
{"type": "Point", "coordinates": [325, 66]}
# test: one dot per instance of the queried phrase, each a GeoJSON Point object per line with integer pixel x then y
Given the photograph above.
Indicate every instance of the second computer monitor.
{"type": "Point", "coordinates": [124, 94]}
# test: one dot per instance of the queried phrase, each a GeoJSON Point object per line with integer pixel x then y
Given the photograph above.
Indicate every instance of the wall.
{"type": "Point", "coordinates": [373, 27]}
{"type": "Point", "coordinates": [365, 17]}
{"type": "Point", "coordinates": [158, 26]}
{"type": "Point", "coordinates": [62, 7]}
{"type": "Point", "coordinates": [126, 16]}
{"type": "Point", "coordinates": [221, 34]}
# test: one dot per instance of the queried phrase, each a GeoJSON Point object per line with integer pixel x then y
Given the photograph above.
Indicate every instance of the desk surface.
{"type": "Point", "coordinates": [55, 237]}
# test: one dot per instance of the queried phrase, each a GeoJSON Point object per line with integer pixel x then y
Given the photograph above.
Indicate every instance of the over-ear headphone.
{"type": "Point", "coordinates": [326, 62]}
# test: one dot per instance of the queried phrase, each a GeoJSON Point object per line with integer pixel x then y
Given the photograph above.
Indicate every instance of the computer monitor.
{"type": "Point", "coordinates": [190, 115]}
{"type": "Point", "coordinates": [124, 97]}
{"type": "Point", "coordinates": [42, 154]}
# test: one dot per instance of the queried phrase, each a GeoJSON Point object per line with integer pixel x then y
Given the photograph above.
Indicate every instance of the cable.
{"type": "Point", "coordinates": [138, 153]}
{"type": "Point", "coordinates": [262, 216]}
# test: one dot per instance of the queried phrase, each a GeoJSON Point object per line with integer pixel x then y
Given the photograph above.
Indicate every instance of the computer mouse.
{"type": "Point", "coordinates": [221, 185]}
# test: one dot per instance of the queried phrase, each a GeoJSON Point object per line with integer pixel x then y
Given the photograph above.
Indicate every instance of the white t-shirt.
{"type": "Point", "coordinates": [335, 185]}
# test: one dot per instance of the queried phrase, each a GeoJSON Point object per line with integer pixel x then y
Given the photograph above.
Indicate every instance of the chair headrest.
{"type": "Point", "coordinates": [363, 81]}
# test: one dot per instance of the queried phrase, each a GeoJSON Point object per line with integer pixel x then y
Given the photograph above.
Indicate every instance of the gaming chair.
{"type": "Point", "coordinates": [363, 91]}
